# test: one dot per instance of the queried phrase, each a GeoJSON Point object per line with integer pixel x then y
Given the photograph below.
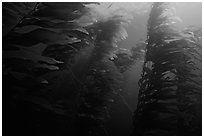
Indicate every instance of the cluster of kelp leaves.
{"type": "Point", "coordinates": [170, 96]}
{"type": "Point", "coordinates": [58, 75]}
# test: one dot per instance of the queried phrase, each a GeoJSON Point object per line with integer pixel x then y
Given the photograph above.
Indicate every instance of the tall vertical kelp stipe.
{"type": "Point", "coordinates": [57, 76]}
{"type": "Point", "coordinates": [170, 87]}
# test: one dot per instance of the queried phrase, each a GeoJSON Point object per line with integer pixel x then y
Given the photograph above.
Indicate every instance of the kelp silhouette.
{"type": "Point", "coordinates": [45, 83]}
{"type": "Point", "coordinates": [169, 101]}
{"type": "Point", "coordinates": [37, 49]}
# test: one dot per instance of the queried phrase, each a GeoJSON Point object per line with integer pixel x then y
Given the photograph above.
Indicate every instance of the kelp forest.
{"type": "Point", "coordinates": [101, 69]}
